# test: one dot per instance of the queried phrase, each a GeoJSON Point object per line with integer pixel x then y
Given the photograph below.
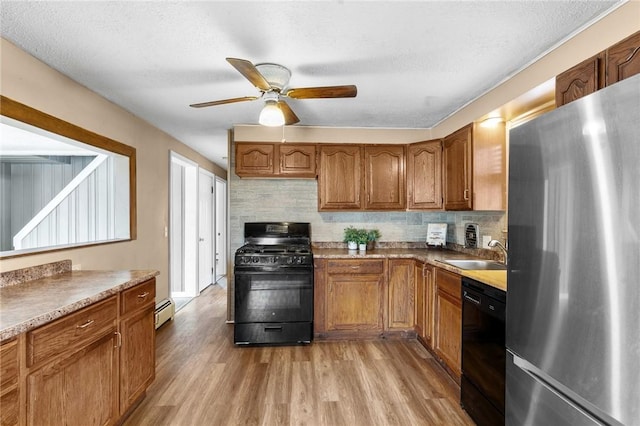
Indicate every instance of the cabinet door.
{"type": "Point", "coordinates": [9, 392]}
{"type": "Point", "coordinates": [78, 390]}
{"type": "Point", "coordinates": [354, 302]}
{"type": "Point", "coordinates": [255, 159]}
{"type": "Point", "coordinates": [297, 160]}
{"type": "Point", "coordinates": [340, 178]}
{"type": "Point", "coordinates": [457, 156]}
{"type": "Point", "coordinates": [424, 175]}
{"type": "Point", "coordinates": [580, 80]}
{"type": "Point", "coordinates": [490, 167]}
{"type": "Point", "coordinates": [448, 317]}
{"type": "Point", "coordinates": [137, 356]}
{"type": "Point", "coordinates": [401, 294]}
{"type": "Point", "coordinates": [385, 178]}
{"type": "Point", "coordinates": [424, 302]}
{"type": "Point", "coordinates": [623, 59]}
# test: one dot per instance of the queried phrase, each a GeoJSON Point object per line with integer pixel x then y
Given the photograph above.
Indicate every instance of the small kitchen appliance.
{"type": "Point", "coordinates": [274, 284]}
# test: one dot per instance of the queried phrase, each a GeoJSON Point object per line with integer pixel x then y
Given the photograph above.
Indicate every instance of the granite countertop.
{"type": "Point", "coordinates": [28, 305]}
{"type": "Point", "coordinates": [433, 256]}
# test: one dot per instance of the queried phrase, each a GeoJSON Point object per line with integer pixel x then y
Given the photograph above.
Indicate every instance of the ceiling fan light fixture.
{"type": "Point", "coordinates": [271, 115]}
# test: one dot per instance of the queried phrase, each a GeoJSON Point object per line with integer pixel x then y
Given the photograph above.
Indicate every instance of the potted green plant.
{"type": "Point", "coordinates": [351, 235]}
{"type": "Point", "coordinates": [372, 236]}
{"type": "Point", "coordinates": [362, 238]}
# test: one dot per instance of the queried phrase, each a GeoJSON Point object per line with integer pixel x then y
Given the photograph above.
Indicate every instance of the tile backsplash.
{"type": "Point", "coordinates": [296, 200]}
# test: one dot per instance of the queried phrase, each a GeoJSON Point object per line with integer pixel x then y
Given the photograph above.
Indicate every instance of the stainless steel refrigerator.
{"type": "Point", "coordinates": [573, 301]}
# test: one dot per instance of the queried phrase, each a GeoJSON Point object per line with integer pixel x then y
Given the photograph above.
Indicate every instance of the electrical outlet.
{"type": "Point", "coordinates": [485, 241]}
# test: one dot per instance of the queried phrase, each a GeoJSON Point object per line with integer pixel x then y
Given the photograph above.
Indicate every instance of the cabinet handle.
{"type": "Point", "coordinates": [118, 339]}
{"type": "Point", "coordinates": [86, 324]}
{"type": "Point", "coordinates": [355, 267]}
{"type": "Point", "coordinates": [143, 295]}
{"type": "Point", "coordinates": [466, 194]}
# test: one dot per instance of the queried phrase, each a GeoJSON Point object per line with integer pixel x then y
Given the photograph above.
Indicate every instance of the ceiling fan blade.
{"type": "Point", "coordinates": [250, 72]}
{"type": "Point", "coordinates": [289, 116]}
{"type": "Point", "coordinates": [224, 101]}
{"type": "Point", "coordinates": [349, 91]}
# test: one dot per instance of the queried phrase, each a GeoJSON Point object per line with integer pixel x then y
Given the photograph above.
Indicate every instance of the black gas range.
{"type": "Point", "coordinates": [274, 284]}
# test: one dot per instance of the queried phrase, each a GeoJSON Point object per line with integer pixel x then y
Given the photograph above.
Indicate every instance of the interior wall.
{"type": "Point", "coordinates": [614, 27]}
{"type": "Point", "coordinates": [31, 82]}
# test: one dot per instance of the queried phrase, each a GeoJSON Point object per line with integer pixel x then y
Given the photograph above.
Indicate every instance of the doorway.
{"type": "Point", "coordinates": [183, 215]}
{"type": "Point", "coordinates": [206, 229]}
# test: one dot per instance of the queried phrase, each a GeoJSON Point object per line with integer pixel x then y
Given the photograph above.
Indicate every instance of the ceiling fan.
{"type": "Point", "coordinates": [271, 80]}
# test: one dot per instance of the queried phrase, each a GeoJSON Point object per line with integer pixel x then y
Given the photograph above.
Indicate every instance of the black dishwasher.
{"type": "Point", "coordinates": [482, 387]}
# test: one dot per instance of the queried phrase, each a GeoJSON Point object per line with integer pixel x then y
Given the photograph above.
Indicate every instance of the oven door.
{"type": "Point", "coordinates": [278, 295]}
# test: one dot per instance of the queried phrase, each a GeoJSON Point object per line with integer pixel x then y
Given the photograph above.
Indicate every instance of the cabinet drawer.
{"type": "Point", "coordinates": [8, 365]}
{"type": "Point", "coordinates": [449, 283]}
{"type": "Point", "coordinates": [71, 332]}
{"type": "Point", "coordinates": [355, 266]}
{"type": "Point", "coordinates": [138, 296]}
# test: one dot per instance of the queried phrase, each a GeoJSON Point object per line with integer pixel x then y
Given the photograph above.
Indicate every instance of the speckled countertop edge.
{"type": "Point", "coordinates": [432, 256]}
{"type": "Point", "coordinates": [26, 306]}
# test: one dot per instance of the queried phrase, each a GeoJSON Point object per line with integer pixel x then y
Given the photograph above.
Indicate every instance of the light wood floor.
{"type": "Point", "coordinates": [203, 379]}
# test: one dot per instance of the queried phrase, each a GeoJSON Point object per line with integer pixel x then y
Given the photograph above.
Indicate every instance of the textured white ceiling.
{"type": "Point", "coordinates": [414, 63]}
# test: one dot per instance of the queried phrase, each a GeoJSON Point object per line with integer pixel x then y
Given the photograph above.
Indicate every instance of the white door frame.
{"type": "Point", "coordinates": [206, 229]}
{"type": "Point", "coordinates": [221, 248]}
{"type": "Point", "coordinates": [183, 226]}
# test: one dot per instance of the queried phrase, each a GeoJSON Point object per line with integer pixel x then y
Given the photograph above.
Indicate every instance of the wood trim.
{"type": "Point", "coordinates": [21, 112]}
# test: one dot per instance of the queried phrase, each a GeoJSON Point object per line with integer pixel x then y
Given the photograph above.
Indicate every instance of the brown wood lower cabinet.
{"type": "Point", "coordinates": [401, 294]}
{"type": "Point", "coordinates": [137, 353]}
{"type": "Point", "coordinates": [9, 392]}
{"type": "Point", "coordinates": [355, 298]}
{"type": "Point", "coordinates": [78, 382]}
{"type": "Point", "coordinates": [78, 389]}
{"type": "Point", "coordinates": [448, 320]}
{"type": "Point", "coordinates": [425, 297]}
{"type": "Point", "coordinates": [363, 298]}
{"type": "Point", "coordinates": [86, 368]}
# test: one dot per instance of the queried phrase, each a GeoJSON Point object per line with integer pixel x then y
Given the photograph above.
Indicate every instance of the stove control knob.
{"type": "Point", "coordinates": [255, 260]}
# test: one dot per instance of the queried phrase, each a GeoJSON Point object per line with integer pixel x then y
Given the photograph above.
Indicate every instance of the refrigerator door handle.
{"type": "Point", "coordinates": [565, 394]}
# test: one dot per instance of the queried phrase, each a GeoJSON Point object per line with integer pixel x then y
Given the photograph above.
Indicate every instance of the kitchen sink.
{"type": "Point", "coordinates": [487, 265]}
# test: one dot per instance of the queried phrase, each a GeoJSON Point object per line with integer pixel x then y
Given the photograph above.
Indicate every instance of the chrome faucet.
{"type": "Point", "coordinates": [496, 243]}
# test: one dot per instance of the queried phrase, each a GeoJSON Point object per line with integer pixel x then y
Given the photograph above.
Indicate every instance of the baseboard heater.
{"type": "Point", "coordinates": [165, 311]}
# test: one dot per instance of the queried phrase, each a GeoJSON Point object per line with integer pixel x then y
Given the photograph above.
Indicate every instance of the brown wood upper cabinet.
{"type": "Point", "coordinates": [475, 168]}
{"type": "Point", "coordinates": [384, 177]}
{"type": "Point", "coordinates": [424, 175]}
{"type": "Point", "coordinates": [349, 171]}
{"type": "Point", "coordinates": [581, 80]}
{"type": "Point", "coordinates": [340, 177]}
{"type": "Point", "coordinates": [623, 59]}
{"type": "Point", "coordinates": [618, 62]}
{"type": "Point", "coordinates": [457, 169]}
{"type": "Point", "coordinates": [284, 160]}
